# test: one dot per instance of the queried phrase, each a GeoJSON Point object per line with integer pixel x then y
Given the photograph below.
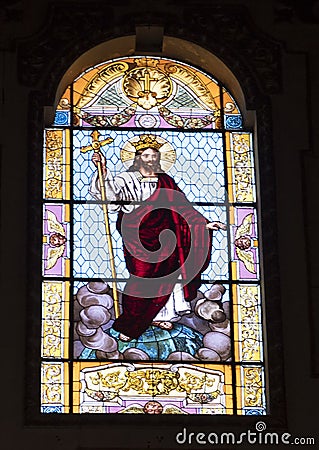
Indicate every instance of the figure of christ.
{"type": "Point", "coordinates": [148, 202]}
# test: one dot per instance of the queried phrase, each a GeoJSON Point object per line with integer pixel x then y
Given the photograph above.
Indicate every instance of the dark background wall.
{"type": "Point", "coordinates": [279, 44]}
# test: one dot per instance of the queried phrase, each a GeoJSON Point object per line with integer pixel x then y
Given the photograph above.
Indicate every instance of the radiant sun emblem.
{"type": "Point", "coordinates": [147, 86]}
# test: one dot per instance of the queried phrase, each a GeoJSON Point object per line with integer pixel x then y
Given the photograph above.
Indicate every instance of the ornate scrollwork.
{"type": "Point", "coordinates": [112, 380]}
{"type": "Point", "coordinates": [152, 382]}
{"type": "Point", "coordinates": [253, 386]}
{"type": "Point", "coordinates": [53, 164]}
{"type": "Point", "coordinates": [243, 168]}
{"type": "Point", "coordinates": [250, 323]}
{"type": "Point", "coordinates": [52, 319]}
{"type": "Point", "coordinates": [52, 375]}
{"type": "Point", "coordinates": [116, 381]}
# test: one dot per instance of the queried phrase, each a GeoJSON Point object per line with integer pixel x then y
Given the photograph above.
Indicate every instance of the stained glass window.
{"type": "Point", "coordinates": [123, 332]}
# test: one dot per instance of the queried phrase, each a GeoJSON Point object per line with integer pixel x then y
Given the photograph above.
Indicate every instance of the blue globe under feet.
{"type": "Point", "coordinates": [157, 343]}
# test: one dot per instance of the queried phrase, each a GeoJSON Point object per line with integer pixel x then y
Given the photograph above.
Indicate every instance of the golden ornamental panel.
{"type": "Point", "coordinates": [250, 326]}
{"type": "Point", "coordinates": [55, 165]}
{"type": "Point", "coordinates": [53, 320]}
{"type": "Point", "coordinates": [242, 167]}
{"type": "Point", "coordinates": [116, 385]}
{"type": "Point", "coordinates": [253, 387]}
{"type": "Point", "coordinates": [54, 387]}
{"type": "Point", "coordinates": [51, 380]}
{"type": "Point", "coordinates": [121, 379]}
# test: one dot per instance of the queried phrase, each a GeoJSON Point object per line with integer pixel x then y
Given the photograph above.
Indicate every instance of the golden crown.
{"type": "Point", "coordinates": [147, 141]}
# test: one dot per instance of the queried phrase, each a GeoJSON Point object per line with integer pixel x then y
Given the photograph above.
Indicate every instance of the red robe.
{"type": "Point", "coordinates": [154, 268]}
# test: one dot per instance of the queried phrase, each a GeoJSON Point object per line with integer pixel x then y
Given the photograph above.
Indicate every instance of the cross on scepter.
{"type": "Point", "coordinates": [96, 147]}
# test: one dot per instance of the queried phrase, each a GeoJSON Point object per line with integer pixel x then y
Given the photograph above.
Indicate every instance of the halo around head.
{"type": "Point", "coordinates": [143, 141]}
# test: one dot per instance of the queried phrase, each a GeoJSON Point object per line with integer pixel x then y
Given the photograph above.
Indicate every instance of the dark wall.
{"type": "Point", "coordinates": [272, 47]}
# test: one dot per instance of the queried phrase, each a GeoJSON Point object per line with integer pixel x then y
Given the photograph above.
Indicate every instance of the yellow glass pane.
{"type": "Point", "coordinates": [233, 266]}
{"type": "Point", "coordinates": [55, 319]}
{"type": "Point", "coordinates": [253, 386]}
{"type": "Point", "coordinates": [248, 323]}
{"type": "Point", "coordinates": [239, 390]}
{"type": "Point", "coordinates": [239, 157]}
{"type": "Point", "coordinates": [80, 84]}
{"type": "Point", "coordinates": [235, 323]}
{"type": "Point", "coordinates": [56, 164]}
{"type": "Point", "coordinates": [230, 105]}
{"type": "Point", "coordinates": [54, 387]}
{"type": "Point", "coordinates": [250, 390]}
{"type": "Point", "coordinates": [65, 100]}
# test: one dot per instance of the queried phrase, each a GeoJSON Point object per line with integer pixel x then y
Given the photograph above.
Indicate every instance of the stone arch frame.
{"type": "Point", "coordinates": [253, 58]}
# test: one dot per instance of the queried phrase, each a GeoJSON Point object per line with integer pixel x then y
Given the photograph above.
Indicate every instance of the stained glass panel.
{"type": "Point", "coordinates": [232, 116]}
{"type": "Point", "coordinates": [143, 388]}
{"type": "Point", "coordinates": [251, 390]}
{"type": "Point", "coordinates": [240, 164]}
{"type": "Point", "coordinates": [56, 168]}
{"type": "Point", "coordinates": [56, 248]}
{"type": "Point", "coordinates": [55, 319]}
{"type": "Point", "coordinates": [204, 329]}
{"type": "Point", "coordinates": [194, 160]}
{"type": "Point", "coordinates": [247, 323]}
{"type": "Point", "coordinates": [54, 387]}
{"type": "Point", "coordinates": [92, 257]}
{"type": "Point", "coordinates": [245, 251]}
{"type": "Point", "coordinates": [63, 113]}
{"type": "Point", "coordinates": [146, 92]}
{"type": "Point", "coordinates": [194, 335]}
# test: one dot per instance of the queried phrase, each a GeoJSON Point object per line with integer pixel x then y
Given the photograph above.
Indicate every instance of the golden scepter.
{"type": "Point", "coordinates": [96, 147]}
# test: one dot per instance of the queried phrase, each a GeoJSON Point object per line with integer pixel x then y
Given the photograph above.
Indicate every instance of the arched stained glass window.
{"type": "Point", "coordinates": [133, 319]}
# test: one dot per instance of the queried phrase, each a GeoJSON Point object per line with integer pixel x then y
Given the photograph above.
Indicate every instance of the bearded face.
{"type": "Point", "coordinates": [149, 159]}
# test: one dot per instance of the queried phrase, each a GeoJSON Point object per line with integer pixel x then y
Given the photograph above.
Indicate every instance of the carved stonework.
{"type": "Point", "coordinates": [233, 38]}
{"type": "Point", "coordinates": [225, 30]}
{"type": "Point", "coordinates": [11, 11]}
{"type": "Point", "coordinates": [290, 11]}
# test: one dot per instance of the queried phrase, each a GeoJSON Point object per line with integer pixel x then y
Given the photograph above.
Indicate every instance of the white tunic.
{"type": "Point", "coordinates": [133, 187]}
{"type": "Point", "coordinates": [127, 186]}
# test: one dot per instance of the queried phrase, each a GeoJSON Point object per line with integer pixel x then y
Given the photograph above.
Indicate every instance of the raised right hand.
{"type": "Point", "coordinates": [99, 157]}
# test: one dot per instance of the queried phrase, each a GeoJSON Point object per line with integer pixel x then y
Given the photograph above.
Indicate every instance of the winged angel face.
{"type": "Point", "coordinates": [57, 240]}
{"type": "Point", "coordinates": [243, 243]}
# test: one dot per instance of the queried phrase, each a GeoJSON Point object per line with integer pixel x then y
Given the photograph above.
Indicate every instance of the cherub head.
{"type": "Point", "coordinates": [243, 242]}
{"type": "Point", "coordinates": [56, 240]}
{"type": "Point", "coordinates": [153, 407]}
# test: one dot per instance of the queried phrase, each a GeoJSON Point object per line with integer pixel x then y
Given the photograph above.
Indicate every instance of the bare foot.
{"type": "Point", "coordinates": [163, 325]}
{"type": "Point", "coordinates": [125, 338]}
